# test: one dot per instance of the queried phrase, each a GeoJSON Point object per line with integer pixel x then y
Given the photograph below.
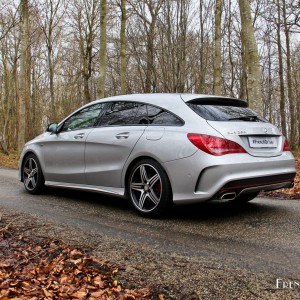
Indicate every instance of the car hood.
{"type": "Point", "coordinates": [38, 138]}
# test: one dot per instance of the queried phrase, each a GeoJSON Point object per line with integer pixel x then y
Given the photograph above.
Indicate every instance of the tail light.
{"type": "Point", "coordinates": [286, 146]}
{"type": "Point", "coordinates": [214, 145]}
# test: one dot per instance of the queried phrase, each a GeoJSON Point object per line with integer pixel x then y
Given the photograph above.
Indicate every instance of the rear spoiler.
{"type": "Point", "coordinates": [219, 101]}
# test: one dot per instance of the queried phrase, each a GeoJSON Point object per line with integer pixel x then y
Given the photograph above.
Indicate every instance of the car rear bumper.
{"type": "Point", "coordinates": [203, 177]}
{"type": "Point", "coordinates": [235, 188]}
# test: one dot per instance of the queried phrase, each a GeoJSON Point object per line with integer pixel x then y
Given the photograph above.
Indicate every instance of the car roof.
{"type": "Point", "coordinates": [158, 98]}
{"type": "Point", "coordinates": [168, 101]}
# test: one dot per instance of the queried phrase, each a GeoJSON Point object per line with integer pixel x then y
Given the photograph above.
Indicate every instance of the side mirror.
{"type": "Point", "coordinates": [53, 128]}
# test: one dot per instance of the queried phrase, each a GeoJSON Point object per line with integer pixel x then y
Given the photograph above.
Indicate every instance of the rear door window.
{"type": "Point", "coordinates": [119, 113]}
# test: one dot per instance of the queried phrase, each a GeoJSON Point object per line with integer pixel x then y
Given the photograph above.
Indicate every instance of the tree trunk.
{"type": "Point", "coordinates": [150, 55]}
{"type": "Point", "coordinates": [102, 69]}
{"type": "Point", "coordinates": [24, 95]}
{"type": "Point", "coordinates": [217, 58]}
{"type": "Point", "coordinates": [230, 51]}
{"type": "Point", "coordinates": [252, 57]}
{"type": "Point", "coordinates": [199, 86]}
{"type": "Point", "coordinates": [280, 71]}
{"type": "Point", "coordinates": [292, 136]}
{"type": "Point", "coordinates": [182, 37]}
{"type": "Point", "coordinates": [243, 79]}
{"type": "Point", "coordinates": [123, 47]}
{"type": "Point", "coordinates": [50, 66]}
{"type": "Point", "coordinates": [48, 32]}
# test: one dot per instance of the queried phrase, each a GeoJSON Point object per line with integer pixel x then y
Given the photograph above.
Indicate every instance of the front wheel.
{"type": "Point", "coordinates": [32, 175]}
{"type": "Point", "coordinates": [149, 188]}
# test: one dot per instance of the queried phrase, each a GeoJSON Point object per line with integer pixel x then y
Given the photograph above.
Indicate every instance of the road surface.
{"type": "Point", "coordinates": [261, 237]}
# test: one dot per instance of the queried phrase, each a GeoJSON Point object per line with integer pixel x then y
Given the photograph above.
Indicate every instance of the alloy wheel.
{"type": "Point", "coordinates": [30, 174]}
{"type": "Point", "coordinates": [146, 188]}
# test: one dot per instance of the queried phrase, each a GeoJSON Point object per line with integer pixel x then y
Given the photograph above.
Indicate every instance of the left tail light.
{"type": "Point", "coordinates": [214, 145]}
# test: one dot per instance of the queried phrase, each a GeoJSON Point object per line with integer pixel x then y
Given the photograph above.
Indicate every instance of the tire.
{"type": "Point", "coordinates": [149, 188]}
{"type": "Point", "coordinates": [32, 175]}
{"type": "Point", "coordinates": [245, 197]}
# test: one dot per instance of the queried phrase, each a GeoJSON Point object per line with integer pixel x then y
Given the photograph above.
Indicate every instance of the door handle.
{"type": "Point", "coordinates": [79, 136]}
{"type": "Point", "coordinates": [123, 135]}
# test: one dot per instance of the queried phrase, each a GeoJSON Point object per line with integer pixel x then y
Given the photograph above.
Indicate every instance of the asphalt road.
{"type": "Point", "coordinates": [261, 236]}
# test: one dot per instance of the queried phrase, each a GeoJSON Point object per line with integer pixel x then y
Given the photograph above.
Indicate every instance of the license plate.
{"type": "Point", "coordinates": [262, 142]}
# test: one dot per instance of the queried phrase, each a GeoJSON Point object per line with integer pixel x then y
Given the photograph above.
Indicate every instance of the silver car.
{"type": "Point", "coordinates": [161, 148]}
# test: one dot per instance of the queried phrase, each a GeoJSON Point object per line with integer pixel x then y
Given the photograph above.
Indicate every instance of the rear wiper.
{"type": "Point", "coordinates": [246, 118]}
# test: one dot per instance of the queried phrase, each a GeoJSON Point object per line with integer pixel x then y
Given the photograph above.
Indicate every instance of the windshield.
{"type": "Point", "coordinates": [225, 113]}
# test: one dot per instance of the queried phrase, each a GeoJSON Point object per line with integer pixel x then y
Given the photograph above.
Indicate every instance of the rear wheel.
{"type": "Point", "coordinates": [149, 188]}
{"type": "Point", "coordinates": [246, 197]}
{"type": "Point", "coordinates": [32, 175]}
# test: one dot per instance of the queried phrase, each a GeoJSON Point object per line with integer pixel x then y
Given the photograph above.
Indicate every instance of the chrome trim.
{"type": "Point", "coordinates": [228, 196]}
{"type": "Point", "coordinates": [120, 192]}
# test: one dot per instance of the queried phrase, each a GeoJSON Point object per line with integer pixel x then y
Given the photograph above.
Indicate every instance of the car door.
{"type": "Point", "coordinates": [64, 152]}
{"type": "Point", "coordinates": [109, 145]}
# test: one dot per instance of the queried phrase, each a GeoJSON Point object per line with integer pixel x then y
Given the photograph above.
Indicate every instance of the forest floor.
{"type": "Point", "coordinates": [33, 267]}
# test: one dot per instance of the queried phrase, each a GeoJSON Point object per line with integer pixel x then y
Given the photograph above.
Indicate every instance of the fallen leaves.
{"type": "Point", "coordinates": [52, 270]}
{"type": "Point", "coordinates": [9, 160]}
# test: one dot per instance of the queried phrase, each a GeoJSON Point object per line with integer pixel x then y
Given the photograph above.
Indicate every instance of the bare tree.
{"type": "Point", "coordinates": [205, 48]}
{"type": "Point", "coordinates": [280, 70]}
{"type": "Point", "coordinates": [24, 96]}
{"type": "Point", "coordinates": [147, 11]}
{"type": "Point", "coordinates": [7, 24]}
{"type": "Point", "coordinates": [53, 13]}
{"type": "Point", "coordinates": [9, 89]}
{"type": "Point", "coordinates": [103, 46]}
{"type": "Point", "coordinates": [292, 136]}
{"type": "Point", "coordinates": [123, 47]}
{"type": "Point", "coordinates": [252, 57]}
{"type": "Point", "coordinates": [171, 51]}
{"type": "Point", "coordinates": [217, 58]}
{"type": "Point", "coordinates": [85, 23]}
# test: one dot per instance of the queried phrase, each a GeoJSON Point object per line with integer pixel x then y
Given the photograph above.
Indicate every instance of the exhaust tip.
{"type": "Point", "coordinates": [228, 196]}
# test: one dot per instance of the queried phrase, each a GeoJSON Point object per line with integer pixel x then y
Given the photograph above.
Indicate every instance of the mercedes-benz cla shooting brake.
{"type": "Point", "coordinates": [159, 148]}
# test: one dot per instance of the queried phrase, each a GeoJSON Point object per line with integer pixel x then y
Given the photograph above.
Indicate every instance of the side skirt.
{"type": "Point", "coordinates": [113, 191]}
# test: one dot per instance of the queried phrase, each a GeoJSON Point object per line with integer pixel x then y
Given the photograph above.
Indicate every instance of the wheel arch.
{"type": "Point", "coordinates": [131, 165]}
{"type": "Point", "coordinates": [29, 152]}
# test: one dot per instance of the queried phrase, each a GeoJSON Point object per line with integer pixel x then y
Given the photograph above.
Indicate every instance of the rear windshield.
{"type": "Point", "coordinates": [225, 113]}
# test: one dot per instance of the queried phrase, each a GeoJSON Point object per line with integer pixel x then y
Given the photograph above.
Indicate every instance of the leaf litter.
{"type": "Point", "coordinates": [46, 269]}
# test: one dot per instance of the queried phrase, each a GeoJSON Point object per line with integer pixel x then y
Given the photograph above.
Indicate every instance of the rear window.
{"type": "Point", "coordinates": [220, 112]}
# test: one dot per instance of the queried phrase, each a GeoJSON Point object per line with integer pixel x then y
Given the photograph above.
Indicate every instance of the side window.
{"type": "Point", "coordinates": [141, 117]}
{"type": "Point", "coordinates": [120, 113]}
{"type": "Point", "coordinates": [158, 116]}
{"type": "Point", "coordinates": [85, 118]}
